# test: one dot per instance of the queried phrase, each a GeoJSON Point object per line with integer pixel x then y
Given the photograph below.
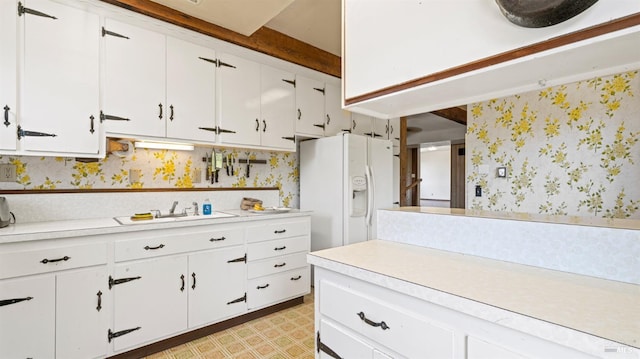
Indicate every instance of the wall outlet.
{"type": "Point", "coordinates": [478, 191]}
{"type": "Point", "coordinates": [134, 175]}
{"type": "Point", "coordinates": [8, 172]}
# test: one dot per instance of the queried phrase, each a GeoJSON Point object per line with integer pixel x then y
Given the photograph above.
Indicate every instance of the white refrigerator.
{"type": "Point", "coordinates": [344, 179]}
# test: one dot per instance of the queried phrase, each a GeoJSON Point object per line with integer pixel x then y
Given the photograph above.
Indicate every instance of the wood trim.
{"type": "Point", "coordinates": [202, 332]}
{"type": "Point", "coordinates": [130, 190]}
{"type": "Point", "coordinates": [455, 114]}
{"type": "Point", "coordinates": [403, 162]}
{"type": "Point", "coordinates": [552, 43]}
{"type": "Point", "coordinates": [264, 40]}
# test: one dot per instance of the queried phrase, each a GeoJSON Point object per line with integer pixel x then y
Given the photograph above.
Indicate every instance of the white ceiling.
{"type": "Point", "coordinates": [315, 22]}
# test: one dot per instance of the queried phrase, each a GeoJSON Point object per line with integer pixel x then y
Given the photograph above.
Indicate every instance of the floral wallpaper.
{"type": "Point", "coordinates": [160, 169]}
{"type": "Point", "coordinates": [570, 150]}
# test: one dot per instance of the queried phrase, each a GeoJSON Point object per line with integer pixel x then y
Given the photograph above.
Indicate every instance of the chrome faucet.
{"type": "Point", "coordinates": [173, 207]}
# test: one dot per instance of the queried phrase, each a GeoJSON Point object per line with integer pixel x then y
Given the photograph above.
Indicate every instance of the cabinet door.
{"type": "Point", "coordinates": [191, 85]}
{"type": "Point", "coordinates": [361, 124]}
{"type": "Point", "coordinates": [60, 79]}
{"type": "Point", "coordinates": [379, 128]}
{"type": "Point", "coordinates": [217, 285]}
{"type": "Point", "coordinates": [336, 119]}
{"type": "Point", "coordinates": [82, 315]}
{"type": "Point", "coordinates": [27, 317]}
{"type": "Point", "coordinates": [310, 103]}
{"type": "Point", "coordinates": [238, 94]}
{"type": "Point", "coordinates": [155, 299]}
{"type": "Point", "coordinates": [134, 81]}
{"type": "Point", "coordinates": [8, 74]}
{"type": "Point", "coordinates": [278, 108]}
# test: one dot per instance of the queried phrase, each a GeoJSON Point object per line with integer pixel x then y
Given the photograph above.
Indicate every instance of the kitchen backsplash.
{"type": "Point", "coordinates": [159, 169]}
{"type": "Point", "coordinates": [570, 149]}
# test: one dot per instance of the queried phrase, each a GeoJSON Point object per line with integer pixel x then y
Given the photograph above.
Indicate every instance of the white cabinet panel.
{"type": "Point", "coordinates": [60, 80]}
{"type": "Point", "coordinates": [336, 119]}
{"type": "Point", "coordinates": [155, 301]}
{"type": "Point", "coordinates": [310, 103]}
{"type": "Point", "coordinates": [278, 104]}
{"type": "Point", "coordinates": [480, 349]}
{"type": "Point", "coordinates": [361, 124]}
{"type": "Point", "coordinates": [217, 288]}
{"type": "Point", "coordinates": [339, 341]}
{"type": "Point", "coordinates": [238, 92]}
{"type": "Point", "coordinates": [379, 128]}
{"type": "Point", "coordinates": [394, 133]}
{"type": "Point", "coordinates": [82, 314]}
{"type": "Point", "coordinates": [191, 90]}
{"type": "Point", "coordinates": [27, 310]}
{"type": "Point", "coordinates": [134, 81]}
{"type": "Point", "coordinates": [277, 287]}
{"type": "Point", "coordinates": [8, 70]}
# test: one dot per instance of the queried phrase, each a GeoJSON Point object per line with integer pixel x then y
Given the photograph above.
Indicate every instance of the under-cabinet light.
{"type": "Point", "coordinates": [164, 145]}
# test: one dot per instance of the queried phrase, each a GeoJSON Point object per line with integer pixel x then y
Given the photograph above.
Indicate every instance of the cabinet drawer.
{"type": "Point", "coordinates": [160, 243]}
{"type": "Point", "coordinates": [393, 326]}
{"type": "Point", "coordinates": [19, 263]}
{"type": "Point", "coordinates": [277, 247]}
{"type": "Point", "coordinates": [277, 287]}
{"type": "Point", "coordinates": [276, 265]}
{"type": "Point", "coordinates": [279, 229]}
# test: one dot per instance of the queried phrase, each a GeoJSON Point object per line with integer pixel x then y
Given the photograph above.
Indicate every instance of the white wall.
{"type": "Point", "coordinates": [435, 171]}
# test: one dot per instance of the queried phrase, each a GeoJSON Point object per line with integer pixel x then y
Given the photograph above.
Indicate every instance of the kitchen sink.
{"type": "Point", "coordinates": [178, 218]}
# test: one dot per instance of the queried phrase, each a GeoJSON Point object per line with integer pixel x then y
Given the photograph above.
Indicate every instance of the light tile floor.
{"type": "Point", "coordinates": [285, 334]}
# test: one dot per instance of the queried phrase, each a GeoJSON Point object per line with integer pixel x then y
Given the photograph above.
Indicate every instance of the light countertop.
{"type": "Point", "coordinates": [602, 308]}
{"type": "Point", "coordinates": [30, 231]}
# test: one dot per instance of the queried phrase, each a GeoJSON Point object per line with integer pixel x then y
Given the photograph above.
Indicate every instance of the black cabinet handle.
{"type": "Point", "coordinates": [257, 125]}
{"type": "Point", "coordinates": [45, 261]}
{"type": "Point", "coordinates": [239, 300]}
{"type": "Point", "coordinates": [279, 231]}
{"type": "Point", "coordinates": [160, 106]}
{"type": "Point", "coordinates": [262, 286]}
{"type": "Point", "coordinates": [182, 279]}
{"type": "Point", "coordinates": [146, 248]}
{"type": "Point", "coordinates": [113, 282]}
{"type": "Point", "coordinates": [99, 294]}
{"type": "Point", "coordinates": [217, 239]}
{"type": "Point", "coordinates": [24, 10]}
{"type": "Point", "coordinates": [13, 301]}
{"type": "Point", "coordinates": [91, 129]}
{"type": "Point", "coordinates": [382, 324]}
{"type": "Point", "coordinates": [171, 113]}
{"type": "Point", "coordinates": [193, 276]}
{"type": "Point", "coordinates": [328, 119]}
{"type": "Point", "coordinates": [111, 335]}
{"type": "Point", "coordinates": [354, 124]}
{"type": "Point", "coordinates": [6, 115]}
{"type": "Point", "coordinates": [299, 114]}
{"type": "Point", "coordinates": [280, 248]}
{"type": "Point", "coordinates": [264, 127]}
{"type": "Point", "coordinates": [320, 346]}
{"type": "Point", "coordinates": [280, 265]}
{"type": "Point", "coordinates": [296, 278]}
{"type": "Point", "coordinates": [241, 259]}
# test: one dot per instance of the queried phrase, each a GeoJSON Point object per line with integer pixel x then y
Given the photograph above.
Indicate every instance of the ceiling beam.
{"type": "Point", "coordinates": [455, 114]}
{"type": "Point", "coordinates": [264, 40]}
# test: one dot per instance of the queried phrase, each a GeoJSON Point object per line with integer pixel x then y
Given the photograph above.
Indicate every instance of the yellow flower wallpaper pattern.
{"type": "Point", "coordinates": [571, 149]}
{"type": "Point", "coordinates": [161, 169]}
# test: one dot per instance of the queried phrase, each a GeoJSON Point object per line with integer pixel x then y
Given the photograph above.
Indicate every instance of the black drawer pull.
{"type": "Point", "coordinates": [280, 248]}
{"type": "Point", "coordinates": [146, 248]}
{"type": "Point", "coordinates": [280, 265]}
{"type": "Point", "coordinates": [217, 239]}
{"type": "Point", "coordinates": [262, 286]}
{"type": "Point", "coordinates": [279, 231]}
{"type": "Point", "coordinates": [296, 278]}
{"type": "Point", "coordinates": [193, 276]}
{"type": "Point", "coordinates": [182, 279]}
{"type": "Point", "coordinates": [99, 294]}
{"type": "Point", "coordinates": [382, 324]}
{"type": "Point", "coordinates": [45, 261]}
{"type": "Point", "coordinates": [13, 301]}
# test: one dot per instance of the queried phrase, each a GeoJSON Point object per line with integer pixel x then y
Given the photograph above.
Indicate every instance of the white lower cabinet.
{"type": "Point", "coordinates": [27, 310]}
{"type": "Point", "coordinates": [149, 300]}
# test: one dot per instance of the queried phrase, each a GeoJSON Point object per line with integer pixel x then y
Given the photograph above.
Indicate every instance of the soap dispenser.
{"type": "Point", "coordinates": [206, 207]}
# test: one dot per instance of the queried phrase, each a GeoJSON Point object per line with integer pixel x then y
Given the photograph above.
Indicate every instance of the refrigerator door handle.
{"type": "Point", "coordinates": [370, 192]}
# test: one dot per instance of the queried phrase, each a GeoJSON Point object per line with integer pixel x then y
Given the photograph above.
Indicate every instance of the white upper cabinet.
{"type": "Point", "coordinates": [278, 103]}
{"type": "Point", "coordinates": [134, 81]}
{"type": "Point", "coordinates": [59, 109]}
{"type": "Point", "coordinates": [310, 102]}
{"type": "Point", "coordinates": [379, 128]}
{"type": "Point", "coordinates": [361, 124]}
{"type": "Point", "coordinates": [8, 75]}
{"type": "Point", "coordinates": [238, 93]}
{"type": "Point", "coordinates": [336, 119]}
{"type": "Point", "coordinates": [191, 87]}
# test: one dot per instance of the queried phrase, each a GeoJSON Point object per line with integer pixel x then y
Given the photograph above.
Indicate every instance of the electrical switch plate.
{"type": "Point", "coordinates": [478, 191]}
{"type": "Point", "coordinates": [8, 172]}
{"type": "Point", "coordinates": [197, 175]}
{"type": "Point", "coordinates": [134, 175]}
{"type": "Point", "coordinates": [501, 172]}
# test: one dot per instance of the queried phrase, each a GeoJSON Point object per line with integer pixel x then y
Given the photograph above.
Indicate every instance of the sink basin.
{"type": "Point", "coordinates": [127, 220]}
